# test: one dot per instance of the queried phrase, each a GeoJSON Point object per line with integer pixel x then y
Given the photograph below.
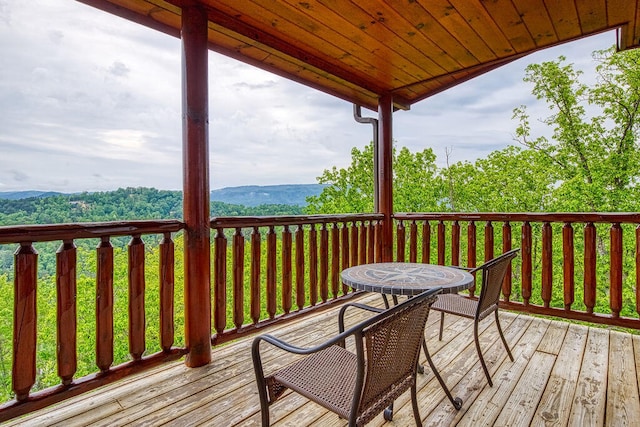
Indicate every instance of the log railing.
{"type": "Point", "coordinates": [268, 269]}
{"type": "Point", "coordinates": [25, 309]}
{"type": "Point", "coordinates": [265, 270]}
{"type": "Point", "coordinates": [581, 266]}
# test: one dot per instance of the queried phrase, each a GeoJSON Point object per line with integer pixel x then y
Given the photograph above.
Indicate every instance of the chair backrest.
{"type": "Point", "coordinates": [493, 274]}
{"type": "Point", "coordinates": [392, 348]}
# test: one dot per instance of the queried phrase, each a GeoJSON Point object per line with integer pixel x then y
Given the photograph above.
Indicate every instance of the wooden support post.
{"type": "Point", "coordinates": [195, 161]}
{"type": "Point", "coordinates": [384, 175]}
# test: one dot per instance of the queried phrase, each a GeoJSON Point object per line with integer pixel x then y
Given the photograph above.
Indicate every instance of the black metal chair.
{"type": "Point", "coordinates": [493, 273]}
{"type": "Point", "coordinates": [357, 386]}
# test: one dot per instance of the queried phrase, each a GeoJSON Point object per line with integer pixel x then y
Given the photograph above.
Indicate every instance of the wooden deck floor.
{"type": "Point", "coordinates": [563, 374]}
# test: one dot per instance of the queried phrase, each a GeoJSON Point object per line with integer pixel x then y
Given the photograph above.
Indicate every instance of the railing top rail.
{"type": "Point", "coordinates": [265, 221]}
{"type": "Point", "coordinates": [581, 217]}
{"type": "Point", "coordinates": [50, 232]}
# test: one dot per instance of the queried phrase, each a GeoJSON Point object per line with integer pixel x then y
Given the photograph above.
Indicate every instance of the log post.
{"type": "Point", "coordinates": [384, 175]}
{"type": "Point", "coordinates": [195, 158]}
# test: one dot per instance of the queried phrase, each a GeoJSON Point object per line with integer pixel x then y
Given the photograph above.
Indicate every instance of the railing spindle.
{"type": "Point", "coordinates": [324, 263]}
{"type": "Point", "coordinates": [66, 261]}
{"type": "Point", "coordinates": [413, 241]}
{"type": "Point", "coordinates": [272, 250]}
{"type": "Point", "coordinates": [506, 247]}
{"type": "Point", "coordinates": [354, 241]}
{"type": "Point", "coordinates": [313, 265]}
{"type": "Point", "coordinates": [136, 298]}
{"type": "Point", "coordinates": [167, 292]}
{"type": "Point", "coordinates": [362, 257]}
{"type": "Point", "coordinates": [335, 260]}
{"type": "Point", "coordinates": [24, 320]}
{"type": "Point", "coordinates": [220, 283]}
{"type": "Point", "coordinates": [471, 251]}
{"type": "Point", "coordinates": [287, 284]}
{"type": "Point", "coordinates": [527, 265]}
{"type": "Point", "coordinates": [547, 263]}
{"type": "Point", "coordinates": [345, 258]}
{"type": "Point", "coordinates": [488, 241]}
{"type": "Point", "coordinates": [104, 305]}
{"type": "Point", "coordinates": [426, 242]}
{"type": "Point", "coordinates": [371, 246]}
{"type": "Point", "coordinates": [300, 279]}
{"type": "Point", "coordinates": [638, 269]}
{"type": "Point", "coordinates": [568, 265]}
{"type": "Point", "coordinates": [615, 270]}
{"type": "Point", "coordinates": [256, 253]}
{"type": "Point", "coordinates": [401, 239]}
{"type": "Point", "coordinates": [441, 242]}
{"type": "Point", "coordinates": [589, 266]}
{"type": "Point", "coordinates": [455, 243]}
{"type": "Point", "coordinates": [238, 278]}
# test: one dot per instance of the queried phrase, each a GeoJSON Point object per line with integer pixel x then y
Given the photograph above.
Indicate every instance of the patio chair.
{"type": "Point", "coordinates": [493, 273]}
{"type": "Point", "coordinates": [356, 386]}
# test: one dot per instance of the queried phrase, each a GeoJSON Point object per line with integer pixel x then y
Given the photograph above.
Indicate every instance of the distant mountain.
{"type": "Point", "coordinates": [17, 195]}
{"type": "Point", "coordinates": [254, 195]}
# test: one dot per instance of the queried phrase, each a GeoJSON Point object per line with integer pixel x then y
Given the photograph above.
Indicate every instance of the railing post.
{"type": "Point", "coordinates": [286, 270]}
{"type": "Point", "coordinates": [441, 242]}
{"type": "Point", "coordinates": [324, 263]}
{"type": "Point", "coordinates": [24, 320]}
{"type": "Point", "coordinates": [300, 276]}
{"type": "Point", "coordinates": [472, 251]}
{"type": "Point", "coordinates": [455, 243]}
{"type": "Point", "coordinates": [488, 241]}
{"type": "Point", "coordinates": [426, 242]}
{"type": "Point", "coordinates": [272, 250]}
{"type": "Point", "coordinates": [313, 265]}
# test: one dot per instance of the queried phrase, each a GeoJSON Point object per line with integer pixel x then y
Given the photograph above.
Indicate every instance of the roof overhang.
{"type": "Point", "coordinates": [360, 51]}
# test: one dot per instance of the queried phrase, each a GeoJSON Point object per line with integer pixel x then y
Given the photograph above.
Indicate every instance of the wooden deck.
{"type": "Point", "coordinates": [563, 374]}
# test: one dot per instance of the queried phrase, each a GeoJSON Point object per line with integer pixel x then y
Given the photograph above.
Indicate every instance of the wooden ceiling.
{"type": "Point", "coordinates": [359, 50]}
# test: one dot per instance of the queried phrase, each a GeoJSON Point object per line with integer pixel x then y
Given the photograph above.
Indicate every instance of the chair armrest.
{"type": "Point", "coordinates": [343, 310]}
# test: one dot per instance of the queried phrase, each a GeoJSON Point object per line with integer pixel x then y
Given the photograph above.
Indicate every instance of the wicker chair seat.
{"type": "Point", "coordinates": [461, 306]}
{"type": "Point", "coordinates": [327, 377]}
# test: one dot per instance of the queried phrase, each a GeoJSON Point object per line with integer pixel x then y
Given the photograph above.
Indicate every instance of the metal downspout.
{"type": "Point", "coordinates": [357, 115]}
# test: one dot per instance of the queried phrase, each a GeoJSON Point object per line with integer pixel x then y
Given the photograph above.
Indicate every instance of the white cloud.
{"type": "Point", "coordinates": [89, 101]}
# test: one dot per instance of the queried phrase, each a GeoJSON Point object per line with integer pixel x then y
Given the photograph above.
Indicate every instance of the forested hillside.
{"type": "Point", "coordinates": [118, 205]}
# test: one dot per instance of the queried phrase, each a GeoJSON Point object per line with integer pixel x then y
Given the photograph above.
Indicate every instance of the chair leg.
{"type": "Point", "coordinates": [484, 365]}
{"type": "Point", "coordinates": [414, 403]}
{"type": "Point", "coordinates": [504, 341]}
{"type": "Point", "coordinates": [441, 325]}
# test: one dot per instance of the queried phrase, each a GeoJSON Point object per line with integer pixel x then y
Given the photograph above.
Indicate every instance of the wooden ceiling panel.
{"type": "Point", "coordinates": [478, 18]}
{"type": "Point", "coordinates": [506, 16]}
{"type": "Point", "coordinates": [592, 14]}
{"type": "Point", "coordinates": [535, 17]}
{"type": "Point", "coordinates": [412, 49]}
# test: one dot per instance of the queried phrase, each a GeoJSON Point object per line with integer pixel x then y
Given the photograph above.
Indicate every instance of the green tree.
{"type": "Point", "coordinates": [593, 152]}
{"type": "Point", "coordinates": [418, 186]}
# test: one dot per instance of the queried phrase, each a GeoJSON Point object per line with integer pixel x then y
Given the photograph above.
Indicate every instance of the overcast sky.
{"type": "Point", "coordinates": [90, 101]}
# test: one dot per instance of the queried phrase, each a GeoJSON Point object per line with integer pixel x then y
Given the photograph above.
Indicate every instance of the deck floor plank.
{"type": "Point", "coordinates": [623, 403]}
{"type": "Point", "coordinates": [563, 374]}
{"type": "Point", "coordinates": [555, 405]}
{"type": "Point", "coordinates": [486, 408]}
{"type": "Point", "coordinates": [589, 402]}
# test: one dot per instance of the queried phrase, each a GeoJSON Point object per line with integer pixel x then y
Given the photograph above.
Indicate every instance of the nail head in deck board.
{"type": "Point", "coordinates": [591, 391]}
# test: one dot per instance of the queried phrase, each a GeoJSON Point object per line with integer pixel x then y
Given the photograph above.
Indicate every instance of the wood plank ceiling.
{"type": "Point", "coordinates": [359, 50]}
